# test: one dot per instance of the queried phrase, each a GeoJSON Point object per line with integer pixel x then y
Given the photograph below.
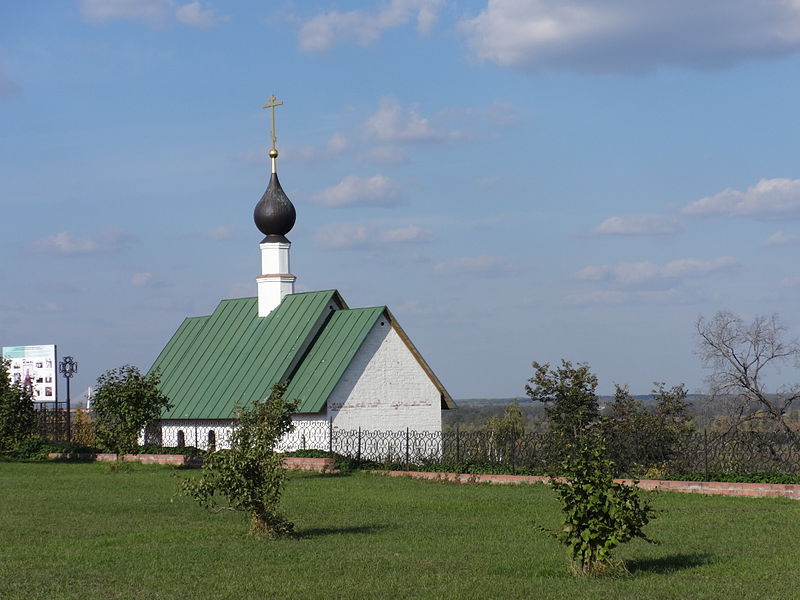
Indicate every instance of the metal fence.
{"type": "Point", "coordinates": [691, 453]}
{"type": "Point", "coordinates": [696, 453]}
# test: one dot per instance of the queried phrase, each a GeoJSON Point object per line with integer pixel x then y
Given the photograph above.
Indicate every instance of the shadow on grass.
{"type": "Point", "coordinates": [323, 531]}
{"type": "Point", "coordinates": [668, 564]}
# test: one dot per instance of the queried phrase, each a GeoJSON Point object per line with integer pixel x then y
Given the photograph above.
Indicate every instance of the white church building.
{"type": "Point", "coordinates": [350, 368]}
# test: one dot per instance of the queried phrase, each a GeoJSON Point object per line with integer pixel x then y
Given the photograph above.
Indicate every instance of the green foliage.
{"type": "Point", "coordinates": [642, 439]}
{"type": "Point", "coordinates": [82, 427]}
{"type": "Point", "coordinates": [34, 448]}
{"type": "Point", "coordinates": [472, 415]}
{"type": "Point", "coordinates": [599, 514]}
{"type": "Point", "coordinates": [159, 449]}
{"type": "Point", "coordinates": [764, 477]}
{"type": "Point", "coordinates": [506, 432]}
{"type": "Point", "coordinates": [125, 401]}
{"type": "Point", "coordinates": [568, 394]}
{"type": "Point", "coordinates": [250, 475]}
{"type": "Point", "coordinates": [17, 415]}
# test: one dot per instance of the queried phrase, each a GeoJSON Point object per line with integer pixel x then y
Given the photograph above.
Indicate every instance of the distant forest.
{"type": "Point", "coordinates": [473, 413]}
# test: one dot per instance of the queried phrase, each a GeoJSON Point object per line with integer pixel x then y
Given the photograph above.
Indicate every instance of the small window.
{"type": "Point", "coordinates": [181, 438]}
{"type": "Point", "coordinates": [212, 440]}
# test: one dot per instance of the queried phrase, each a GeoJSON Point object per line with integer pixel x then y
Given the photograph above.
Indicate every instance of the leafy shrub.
{"type": "Point", "coordinates": [250, 475]}
{"type": "Point", "coordinates": [124, 402]}
{"type": "Point", "coordinates": [158, 449]}
{"type": "Point", "coordinates": [311, 453]}
{"type": "Point", "coordinates": [598, 513]}
{"type": "Point", "coordinates": [777, 478]}
{"type": "Point", "coordinates": [34, 448]}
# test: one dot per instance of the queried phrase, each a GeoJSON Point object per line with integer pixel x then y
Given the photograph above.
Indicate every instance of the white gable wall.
{"type": "Point", "coordinates": [385, 388]}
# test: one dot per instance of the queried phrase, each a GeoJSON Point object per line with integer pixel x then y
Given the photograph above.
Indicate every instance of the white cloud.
{"type": "Point", "coordinates": [196, 15]}
{"type": "Point", "coordinates": [779, 238]}
{"type": "Point", "coordinates": [328, 29]}
{"type": "Point", "coordinates": [405, 234]}
{"type": "Point", "coordinates": [393, 123]}
{"type": "Point", "coordinates": [692, 267]}
{"type": "Point", "coordinates": [141, 278]}
{"type": "Point", "coordinates": [337, 236]}
{"type": "Point", "coordinates": [219, 234]}
{"type": "Point", "coordinates": [340, 236]}
{"type": "Point", "coordinates": [155, 13]}
{"type": "Point", "coordinates": [472, 264]}
{"type": "Point", "coordinates": [108, 239]}
{"type": "Point", "coordinates": [639, 225]}
{"type": "Point", "coordinates": [336, 144]}
{"type": "Point", "coordinates": [631, 35]}
{"type": "Point", "coordinates": [487, 182]}
{"type": "Point", "coordinates": [378, 190]}
{"type": "Point", "coordinates": [642, 272]}
{"type": "Point", "coordinates": [769, 198]}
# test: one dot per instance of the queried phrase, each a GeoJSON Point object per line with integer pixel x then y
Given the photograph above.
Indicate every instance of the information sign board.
{"type": "Point", "coordinates": [36, 365]}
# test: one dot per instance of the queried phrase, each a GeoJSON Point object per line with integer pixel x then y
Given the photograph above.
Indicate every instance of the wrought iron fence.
{"type": "Point", "coordinates": [56, 425]}
{"type": "Point", "coordinates": [637, 454]}
{"type": "Point", "coordinates": [690, 453]}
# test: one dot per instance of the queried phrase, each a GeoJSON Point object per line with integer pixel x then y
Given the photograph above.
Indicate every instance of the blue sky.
{"type": "Point", "coordinates": [517, 181]}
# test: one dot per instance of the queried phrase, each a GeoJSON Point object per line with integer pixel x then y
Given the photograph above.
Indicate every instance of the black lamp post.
{"type": "Point", "coordinates": [68, 367]}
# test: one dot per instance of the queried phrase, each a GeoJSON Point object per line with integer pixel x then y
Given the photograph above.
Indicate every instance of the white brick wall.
{"type": "Point", "coordinates": [385, 388]}
{"type": "Point", "coordinates": [195, 432]}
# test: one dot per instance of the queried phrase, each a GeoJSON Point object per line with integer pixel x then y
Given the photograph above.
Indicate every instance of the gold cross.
{"type": "Point", "coordinates": [272, 104]}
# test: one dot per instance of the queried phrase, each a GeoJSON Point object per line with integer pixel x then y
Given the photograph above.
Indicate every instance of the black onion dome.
{"type": "Point", "coordinates": [274, 214]}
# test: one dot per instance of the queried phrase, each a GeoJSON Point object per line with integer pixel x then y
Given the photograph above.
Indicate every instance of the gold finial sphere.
{"type": "Point", "coordinates": [273, 153]}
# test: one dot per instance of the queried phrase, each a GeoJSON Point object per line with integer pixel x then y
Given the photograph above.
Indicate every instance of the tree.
{"type": "Point", "coordinates": [568, 394]}
{"type": "Point", "coordinates": [740, 356]}
{"type": "Point", "coordinates": [599, 514]}
{"type": "Point", "coordinates": [642, 438]}
{"type": "Point", "coordinates": [17, 415]}
{"type": "Point", "coordinates": [125, 402]}
{"type": "Point", "coordinates": [250, 475]}
{"type": "Point", "coordinates": [506, 432]}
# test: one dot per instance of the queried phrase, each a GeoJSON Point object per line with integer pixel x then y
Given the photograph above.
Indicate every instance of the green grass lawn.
{"type": "Point", "coordinates": [78, 531]}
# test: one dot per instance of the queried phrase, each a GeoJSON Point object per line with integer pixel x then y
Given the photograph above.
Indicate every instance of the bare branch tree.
{"type": "Point", "coordinates": [740, 356]}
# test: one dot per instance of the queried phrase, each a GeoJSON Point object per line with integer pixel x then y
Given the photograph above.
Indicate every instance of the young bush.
{"type": "Point", "coordinates": [598, 513]}
{"type": "Point", "coordinates": [125, 401]}
{"type": "Point", "coordinates": [250, 475]}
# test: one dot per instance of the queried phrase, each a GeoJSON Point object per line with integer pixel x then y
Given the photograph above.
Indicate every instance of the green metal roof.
{"type": "Point", "coordinates": [233, 357]}
{"type": "Point", "coordinates": [328, 359]}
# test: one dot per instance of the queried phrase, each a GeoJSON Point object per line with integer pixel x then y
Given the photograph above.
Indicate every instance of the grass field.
{"type": "Point", "coordinates": [78, 531]}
